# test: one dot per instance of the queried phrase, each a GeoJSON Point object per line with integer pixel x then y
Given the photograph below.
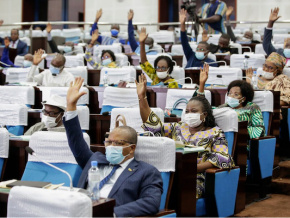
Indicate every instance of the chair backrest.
{"type": "Point", "coordinates": [117, 74]}
{"type": "Point", "coordinates": [238, 46]}
{"type": "Point", "coordinates": [280, 31]}
{"type": "Point", "coordinates": [213, 38]}
{"type": "Point", "coordinates": [210, 56]}
{"type": "Point", "coordinates": [157, 47]}
{"type": "Point", "coordinates": [77, 49]}
{"type": "Point", "coordinates": [279, 38]}
{"type": "Point", "coordinates": [74, 60]}
{"type": "Point", "coordinates": [163, 36]}
{"type": "Point", "coordinates": [32, 202]}
{"type": "Point", "coordinates": [62, 91]}
{"type": "Point", "coordinates": [53, 148]}
{"type": "Point", "coordinates": [81, 71]}
{"type": "Point", "coordinates": [4, 148]}
{"type": "Point", "coordinates": [175, 94]}
{"type": "Point", "coordinates": [223, 75]}
{"type": "Point", "coordinates": [265, 100]}
{"type": "Point", "coordinates": [35, 33]}
{"type": "Point", "coordinates": [178, 50]}
{"type": "Point", "coordinates": [116, 48]}
{"type": "Point", "coordinates": [178, 74]}
{"type": "Point", "coordinates": [119, 97]}
{"type": "Point", "coordinates": [55, 32]}
{"type": "Point", "coordinates": [17, 75]}
{"type": "Point", "coordinates": [152, 58]}
{"type": "Point", "coordinates": [160, 153]}
{"type": "Point", "coordinates": [72, 35]}
{"type": "Point", "coordinates": [133, 117]}
{"type": "Point", "coordinates": [26, 40]}
{"type": "Point", "coordinates": [260, 50]}
{"type": "Point", "coordinates": [121, 59]}
{"type": "Point", "coordinates": [13, 114]}
{"type": "Point", "coordinates": [17, 95]}
{"type": "Point", "coordinates": [255, 60]}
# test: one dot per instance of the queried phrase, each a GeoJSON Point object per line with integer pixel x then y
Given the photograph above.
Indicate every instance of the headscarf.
{"type": "Point", "coordinates": [278, 60]}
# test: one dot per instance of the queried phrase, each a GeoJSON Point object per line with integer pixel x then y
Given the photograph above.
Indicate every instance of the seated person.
{"type": "Point", "coordinates": [107, 56]}
{"type": "Point", "coordinates": [149, 42]}
{"type": "Point", "coordinates": [163, 65]}
{"type": "Point", "coordinates": [239, 97]}
{"type": "Point", "coordinates": [268, 35]}
{"type": "Point", "coordinates": [194, 59]}
{"type": "Point", "coordinates": [55, 76]}
{"type": "Point", "coordinates": [68, 49]}
{"type": "Point", "coordinates": [136, 186]}
{"type": "Point", "coordinates": [105, 40]}
{"type": "Point", "coordinates": [223, 46]}
{"type": "Point", "coordinates": [198, 129]}
{"type": "Point", "coordinates": [52, 112]}
{"type": "Point", "coordinates": [248, 35]}
{"type": "Point", "coordinates": [16, 43]}
{"type": "Point", "coordinates": [28, 58]}
{"type": "Point", "coordinates": [273, 77]}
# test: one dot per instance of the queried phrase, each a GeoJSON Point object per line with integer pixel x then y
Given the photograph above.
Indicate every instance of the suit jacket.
{"type": "Point", "coordinates": [267, 44]}
{"type": "Point", "coordinates": [215, 48]}
{"type": "Point", "coordinates": [22, 48]}
{"type": "Point", "coordinates": [137, 191]}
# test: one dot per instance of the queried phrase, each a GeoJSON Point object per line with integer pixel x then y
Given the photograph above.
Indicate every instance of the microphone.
{"type": "Point", "coordinates": [191, 85]}
{"type": "Point", "coordinates": [31, 152]}
{"type": "Point", "coordinates": [217, 62]}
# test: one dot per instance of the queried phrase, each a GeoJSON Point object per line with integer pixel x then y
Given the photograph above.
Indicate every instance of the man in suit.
{"type": "Point", "coordinates": [16, 43]}
{"type": "Point", "coordinates": [136, 186]}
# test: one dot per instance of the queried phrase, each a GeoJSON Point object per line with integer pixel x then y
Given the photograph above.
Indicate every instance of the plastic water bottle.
{"type": "Point", "coordinates": [246, 63]}
{"type": "Point", "coordinates": [254, 81]}
{"type": "Point", "coordinates": [94, 181]}
{"type": "Point", "coordinates": [106, 79]}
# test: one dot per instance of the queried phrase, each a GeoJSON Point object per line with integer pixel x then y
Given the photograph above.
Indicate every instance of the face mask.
{"type": "Point", "coordinates": [67, 49]}
{"type": "Point", "coordinates": [233, 102]}
{"type": "Point", "coordinates": [192, 119]}
{"type": "Point", "coordinates": [49, 121]}
{"type": "Point", "coordinates": [106, 62]}
{"type": "Point", "coordinates": [114, 154]}
{"type": "Point", "coordinates": [114, 32]}
{"type": "Point", "coordinates": [286, 52]}
{"type": "Point", "coordinates": [162, 75]}
{"type": "Point", "coordinates": [27, 63]}
{"type": "Point", "coordinates": [268, 75]}
{"type": "Point", "coordinates": [54, 70]}
{"type": "Point", "coordinates": [199, 55]}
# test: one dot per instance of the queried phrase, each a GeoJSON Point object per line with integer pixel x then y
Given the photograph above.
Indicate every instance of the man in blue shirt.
{"type": "Point", "coordinates": [115, 29]}
{"type": "Point", "coordinates": [194, 59]}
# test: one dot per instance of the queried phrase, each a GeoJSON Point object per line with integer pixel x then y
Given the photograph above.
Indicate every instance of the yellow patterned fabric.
{"type": "Point", "coordinates": [94, 64]}
{"type": "Point", "coordinates": [278, 60]}
{"type": "Point", "coordinates": [151, 72]}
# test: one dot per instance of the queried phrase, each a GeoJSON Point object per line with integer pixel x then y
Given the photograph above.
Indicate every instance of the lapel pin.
{"type": "Point", "coordinates": [130, 169]}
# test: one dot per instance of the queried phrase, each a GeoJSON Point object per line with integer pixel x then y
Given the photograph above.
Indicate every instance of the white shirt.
{"type": "Point", "coordinates": [15, 44]}
{"type": "Point", "coordinates": [104, 170]}
{"type": "Point", "coordinates": [47, 79]}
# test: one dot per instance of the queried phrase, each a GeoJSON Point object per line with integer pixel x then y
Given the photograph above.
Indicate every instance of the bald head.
{"type": "Point", "coordinates": [126, 133]}
{"type": "Point", "coordinates": [249, 35]}
{"type": "Point", "coordinates": [58, 61]}
{"type": "Point", "coordinates": [149, 41]}
{"type": "Point", "coordinates": [28, 57]}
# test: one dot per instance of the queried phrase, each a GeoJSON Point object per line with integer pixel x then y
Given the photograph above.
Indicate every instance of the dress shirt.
{"type": "Point", "coordinates": [15, 44]}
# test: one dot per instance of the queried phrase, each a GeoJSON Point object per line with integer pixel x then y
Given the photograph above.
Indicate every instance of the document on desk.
{"type": "Point", "coordinates": [187, 150]}
{"type": "Point", "coordinates": [22, 137]}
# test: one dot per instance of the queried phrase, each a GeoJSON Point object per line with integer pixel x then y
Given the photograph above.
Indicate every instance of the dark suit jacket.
{"type": "Point", "coordinates": [137, 191]}
{"type": "Point", "coordinates": [267, 44]}
{"type": "Point", "coordinates": [214, 49]}
{"type": "Point", "coordinates": [22, 48]}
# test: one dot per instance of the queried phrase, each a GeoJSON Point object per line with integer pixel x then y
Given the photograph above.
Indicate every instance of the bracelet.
{"type": "Point", "coordinates": [200, 93]}
{"type": "Point", "coordinates": [143, 98]}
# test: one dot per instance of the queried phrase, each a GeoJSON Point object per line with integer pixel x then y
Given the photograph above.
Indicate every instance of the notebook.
{"type": "Point", "coordinates": [28, 183]}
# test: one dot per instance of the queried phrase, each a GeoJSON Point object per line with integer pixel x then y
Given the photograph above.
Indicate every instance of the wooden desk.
{"type": "Point", "coordinates": [2, 78]}
{"type": "Point", "coordinates": [101, 208]}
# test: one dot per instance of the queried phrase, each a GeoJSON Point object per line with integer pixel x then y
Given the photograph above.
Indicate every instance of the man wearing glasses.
{"type": "Point", "coordinates": [135, 185]}
{"type": "Point", "coordinates": [52, 112]}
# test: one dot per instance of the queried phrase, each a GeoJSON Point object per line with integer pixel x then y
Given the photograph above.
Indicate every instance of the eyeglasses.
{"type": "Point", "coordinates": [51, 113]}
{"type": "Point", "coordinates": [201, 49]}
{"type": "Point", "coordinates": [116, 143]}
{"type": "Point", "coordinates": [161, 68]}
{"type": "Point", "coordinates": [268, 67]}
{"type": "Point", "coordinates": [106, 57]}
{"type": "Point", "coordinates": [235, 95]}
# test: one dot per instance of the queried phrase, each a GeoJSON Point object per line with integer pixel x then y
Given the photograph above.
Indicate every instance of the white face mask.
{"type": "Point", "coordinates": [192, 119]}
{"type": "Point", "coordinates": [49, 121]}
{"type": "Point", "coordinates": [268, 75]}
{"type": "Point", "coordinates": [162, 74]}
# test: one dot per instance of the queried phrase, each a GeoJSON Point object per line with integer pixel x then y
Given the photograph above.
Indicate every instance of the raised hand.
{"type": "Point", "coordinates": [205, 36]}
{"type": "Point", "coordinates": [229, 11]}
{"type": "Point", "coordinates": [95, 36]}
{"type": "Point", "coordinates": [141, 86]}
{"type": "Point", "coordinates": [130, 14]}
{"type": "Point", "coordinates": [182, 16]}
{"type": "Point", "coordinates": [203, 76]}
{"type": "Point", "coordinates": [48, 28]}
{"type": "Point", "coordinates": [73, 94]}
{"type": "Point", "coordinates": [142, 35]}
{"type": "Point", "coordinates": [249, 72]}
{"type": "Point", "coordinates": [98, 15]}
{"type": "Point", "coordinates": [6, 42]}
{"type": "Point", "coordinates": [274, 15]}
{"type": "Point", "coordinates": [37, 58]}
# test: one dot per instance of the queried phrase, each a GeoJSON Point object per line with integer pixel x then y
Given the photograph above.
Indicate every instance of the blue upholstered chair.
{"type": "Point", "coordinates": [4, 150]}
{"type": "Point", "coordinates": [52, 147]}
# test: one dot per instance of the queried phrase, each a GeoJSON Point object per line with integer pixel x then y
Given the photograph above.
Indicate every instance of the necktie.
{"type": "Point", "coordinates": [13, 44]}
{"type": "Point", "coordinates": [107, 178]}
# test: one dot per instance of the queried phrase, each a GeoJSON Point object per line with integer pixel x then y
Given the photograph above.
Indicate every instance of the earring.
{"type": "Point", "coordinates": [203, 120]}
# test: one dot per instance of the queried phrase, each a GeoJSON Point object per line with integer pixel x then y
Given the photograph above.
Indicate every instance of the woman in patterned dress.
{"type": "Point", "coordinates": [199, 129]}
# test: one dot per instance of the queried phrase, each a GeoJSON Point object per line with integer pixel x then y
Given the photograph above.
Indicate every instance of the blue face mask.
{"type": "Point", "coordinates": [233, 102]}
{"type": "Point", "coordinates": [54, 70]}
{"type": "Point", "coordinates": [114, 154]}
{"type": "Point", "coordinates": [114, 32]}
{"type": "Point", "coordinates": [137, 51]}
{"type": "Point", "coordinates": [106, 62]}
{"type": "Point", "coordinates": [67, 49]}
{"type": "Point", "coordinates": [199, 55]}
{"type": "Point", "coordinates": [27, 63]}
{"type": "Point", "coordinates": [286, 52]}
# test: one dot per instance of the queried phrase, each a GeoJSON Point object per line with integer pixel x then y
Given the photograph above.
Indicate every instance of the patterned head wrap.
{"type": "Point", "coordinates": [278, 60]}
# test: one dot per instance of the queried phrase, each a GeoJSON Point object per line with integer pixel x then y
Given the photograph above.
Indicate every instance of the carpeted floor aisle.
{"type": "Point", "coordinates": [276, 206]}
